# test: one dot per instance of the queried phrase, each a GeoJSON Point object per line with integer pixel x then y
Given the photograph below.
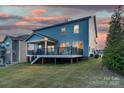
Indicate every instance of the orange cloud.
{"type": "Point", "coordinates": [4, 16]}
{"type": "Point", "coordinates": [38, 12]}
{"type": "Point", "coordinates": [50, 19]}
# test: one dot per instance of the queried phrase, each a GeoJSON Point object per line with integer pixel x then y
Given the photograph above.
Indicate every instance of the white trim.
{"type": "Point", "coordinates": [92, 35]}
{"type": "Point", "coordinates": [42, 40]}
{"type": "Point", "coordinates": [57, 56]}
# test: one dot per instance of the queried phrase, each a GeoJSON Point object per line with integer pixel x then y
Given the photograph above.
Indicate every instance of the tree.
{"type": "Point", "coordinates": [114, 51]}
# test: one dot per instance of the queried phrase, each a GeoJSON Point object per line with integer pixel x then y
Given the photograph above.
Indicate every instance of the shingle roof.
{"type": "Point", "coordinates": [21, 37]}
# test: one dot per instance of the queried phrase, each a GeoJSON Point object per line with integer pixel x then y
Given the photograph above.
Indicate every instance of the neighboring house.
{"type": "Point", "coordinates": [71, 39]}
{"type": "Point", "coordinates": [15, 49]}
{"type": "Point", "coordinates": [2, 55]}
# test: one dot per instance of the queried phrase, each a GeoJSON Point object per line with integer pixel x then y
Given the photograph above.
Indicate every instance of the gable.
{"type": "Point", "coordinates": [33, 37]}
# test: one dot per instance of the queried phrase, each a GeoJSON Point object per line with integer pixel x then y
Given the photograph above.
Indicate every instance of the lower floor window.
{"type": "Point", "coordinates": [77, 44]}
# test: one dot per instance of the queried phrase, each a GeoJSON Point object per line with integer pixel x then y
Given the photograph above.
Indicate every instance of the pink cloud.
{"type": "Point", "coordinates": [27, 25]}
{"type": "Point", "coordinates": [103, 23]}
{"type": "Point", "coordinates": [38, 12]}
{"type": "Point", "coordinates": [101, 40]}
{"type": "Point", "coordinates": [22, 23]}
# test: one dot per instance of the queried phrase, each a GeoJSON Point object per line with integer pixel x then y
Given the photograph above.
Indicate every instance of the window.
{"type": "Point", "coordinates": [64, 48]}
{"type": "Point", "coordinates": [77, 44]}
{"type": "Point", "coordinates": [63, 30]}
{"type": "Point", "coordinates": [76, 29]}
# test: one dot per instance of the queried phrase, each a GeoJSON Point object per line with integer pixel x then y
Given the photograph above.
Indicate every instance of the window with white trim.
{"type": "Point", "coordinates": [76, 29]}
{"type": "Point", "coordinates": [63, 30]}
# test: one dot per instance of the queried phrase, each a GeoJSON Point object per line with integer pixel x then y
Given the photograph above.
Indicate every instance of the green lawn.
{"type": "Point", "coordinates": [88, 73]}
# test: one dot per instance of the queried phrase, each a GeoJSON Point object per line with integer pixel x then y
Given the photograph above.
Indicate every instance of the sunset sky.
{"type": "Point", "coordinates": [17, 20]}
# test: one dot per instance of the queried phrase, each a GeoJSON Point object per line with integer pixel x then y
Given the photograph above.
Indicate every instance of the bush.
{"type": "Point", "coordinates": [96, 56]}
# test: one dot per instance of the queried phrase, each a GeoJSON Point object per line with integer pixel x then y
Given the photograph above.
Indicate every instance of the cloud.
{"type": "Point", "coordinates": [27, 25]}
{"type": "Point", "coordinates": [50, 19]}
{"type": "Point", "coordinates": [103, 24]}
{"type": "Point", "coordinates": [5, 16]}
{"type": "Point", "coordinates": [103, 21]}
{"type": "Point", "coordinates": [101, 40]}
{"type": "Point", "coordinates": [38, 12]}
{"type": "Point", "coordinates": [21, 26]}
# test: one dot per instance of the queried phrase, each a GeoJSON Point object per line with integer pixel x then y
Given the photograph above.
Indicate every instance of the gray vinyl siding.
{"type": "Point", "coordinates": [22, 51]}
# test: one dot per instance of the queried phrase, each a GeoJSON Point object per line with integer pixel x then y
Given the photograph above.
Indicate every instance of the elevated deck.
{"type": "Point", "coordinates": [56, 56]}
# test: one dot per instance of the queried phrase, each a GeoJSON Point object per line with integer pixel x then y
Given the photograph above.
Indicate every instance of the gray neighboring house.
{"type": "Point", "coordinates": [2, 55]}
{"type": "Point", "coordinates": [15, 49]}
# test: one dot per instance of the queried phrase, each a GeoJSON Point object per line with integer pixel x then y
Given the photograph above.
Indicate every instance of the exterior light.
{"type": "Point", "coordinates": [7, 44]}
{"type": "Point", "coordinates": [45, 38]}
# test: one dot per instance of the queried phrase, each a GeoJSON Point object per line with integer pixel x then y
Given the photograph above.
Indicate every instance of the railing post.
{"type": "Point", "coordinates": [71, 50]}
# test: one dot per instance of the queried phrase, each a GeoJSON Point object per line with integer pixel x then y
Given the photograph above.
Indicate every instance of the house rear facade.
{"type": "Point", "coordinates": [71, 39]}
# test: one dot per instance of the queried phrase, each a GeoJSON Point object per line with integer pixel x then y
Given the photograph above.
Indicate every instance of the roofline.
{"type": "Point", "coordinates": [40, 36]}
{"type": "Point", "coordinates": [62, 23]}
{"type": "Point", "coordinates": [7, 36]}
{"type": "Point", "coordinates": [29, 37]}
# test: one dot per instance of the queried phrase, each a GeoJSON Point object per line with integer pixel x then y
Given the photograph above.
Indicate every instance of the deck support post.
{"type": "Point", "coordinates": [55, 60]}
{"type": "Point", "coordinates": [45, 41]}
{"type": "Point", "coordinates": [71, 60]}
{"type": "Point", "coordinates": [42, 61]}
{"type": "Point", "coordinates": [76, 59]}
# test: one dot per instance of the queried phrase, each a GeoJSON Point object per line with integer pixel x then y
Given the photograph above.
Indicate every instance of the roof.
{"type": "Point", "coordinates": [72, 21]}
{"type": "Point", "coordinates": [40, 35]}
{"type": "Point", "coordinates": [20, 38]}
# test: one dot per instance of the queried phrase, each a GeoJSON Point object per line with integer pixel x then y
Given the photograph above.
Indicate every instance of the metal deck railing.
{"type": "Point", "coordinates": [56, 51]}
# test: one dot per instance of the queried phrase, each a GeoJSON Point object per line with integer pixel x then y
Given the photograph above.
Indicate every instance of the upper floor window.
{"type": "Point", "coordinates": [63, 30]}
{"type": "Point", "coordinates": [76, 29]}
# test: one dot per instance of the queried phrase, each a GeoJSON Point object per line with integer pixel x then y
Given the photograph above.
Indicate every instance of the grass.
{"type": "Point", "coordinates": [88, 73]}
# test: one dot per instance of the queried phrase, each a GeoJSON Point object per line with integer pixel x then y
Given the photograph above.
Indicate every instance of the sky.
{"type": "Point", "coordinates": [18, 20]}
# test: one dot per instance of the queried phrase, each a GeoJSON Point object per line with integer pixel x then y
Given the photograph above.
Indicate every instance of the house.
{"type": "Point", "coordinates": [71, 39]}
{"type": "Point", "coordinates": [15, 49]}
{"type": "Point", "coordinates": [2, 55]}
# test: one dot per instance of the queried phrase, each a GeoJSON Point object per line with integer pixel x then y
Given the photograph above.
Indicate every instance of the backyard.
{"type": "Point", "coordinates": [86, 73]}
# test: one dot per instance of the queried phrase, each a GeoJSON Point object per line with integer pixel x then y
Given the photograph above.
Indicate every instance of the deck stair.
{"type": "Point", "coordinates": [35, 60]}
